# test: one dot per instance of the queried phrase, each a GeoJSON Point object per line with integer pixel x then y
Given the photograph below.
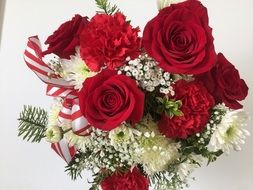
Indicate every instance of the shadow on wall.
{"type": "Point", "coordinates": [2, 5]}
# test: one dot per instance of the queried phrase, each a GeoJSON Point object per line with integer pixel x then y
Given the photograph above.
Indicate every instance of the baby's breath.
{"type": "Point", "coordinates": [148, 75]}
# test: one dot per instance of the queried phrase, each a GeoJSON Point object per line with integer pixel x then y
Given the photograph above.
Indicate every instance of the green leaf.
{"type": "Point", "coordinates": [106, 7]}
{"type": "Point", "coordinates": [32, 123]}
{"type": "Point", "coordinates": [160, 100]}
{"type": "Point", "coordinates": [178, 113]}
{"type": "Point", "coordinates": [170, 107]}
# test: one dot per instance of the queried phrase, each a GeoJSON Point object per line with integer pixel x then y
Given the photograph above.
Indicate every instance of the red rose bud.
{"type": "Point", "coordinates": [196, 104]}
{"type": "Point", "coordinates": [180, 39]}
{"type": "Point", "coordinates": [131, 180]}
{"type": "Point", "coordinates": [109, 40]}
{"type": "Point", "coordinates": [65, 39]}
{"type": "Point", "coordinates": [225, 84]}
{"type": "Point", "coordinates": [108, 99]}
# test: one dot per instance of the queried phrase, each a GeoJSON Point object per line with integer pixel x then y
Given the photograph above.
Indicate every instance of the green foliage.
{"type": "Point", "coordinates": [150, 104]}
{"type": "Point", "coordinates": [77, 164]}
{"type": "Point", "coordinates": [32, 123]}
{"type": "Point", "coordinates": [167, 180]}
{"type": "Point", "coordinates": [170, 107]}
{"type": "Point", "coordinates": [106, 7]}
{"type": "Point", "coordinates": [98, 178]}
{"type": "Point", "coordinates": [199, 144]}
{"type": "Point", "coordinates": [155, 106]}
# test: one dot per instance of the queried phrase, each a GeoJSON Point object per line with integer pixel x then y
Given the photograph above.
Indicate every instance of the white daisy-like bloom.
{"type": "Point", "coordinates": [75, 70]}
{"type": "Point", "coordinates": [230, 133]}
{"type": "Point", "coordinates": [122, 135]}
{"type": "Point", "coordinates": [54, 112]}
{"type": "Point", "coordinates": [187, 167]}
{"type": "Point", "coordinates": [155, 151]}
{"type": "Point", "coordinates": [166, 3]}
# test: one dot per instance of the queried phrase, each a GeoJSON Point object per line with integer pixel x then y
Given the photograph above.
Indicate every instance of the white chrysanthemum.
{"type": "Point", "coordinates": [188, 166]}
{"type": "Point", "coordinates": [75, 70]}
{"type": "Point", "coordinates": [121, 135]}
{"type": "Point", "coordinates": [155, 151]}
{"type": "Point", "coordinates": [165, 3]}
{"type": "Point", "coordinates": [230, 133]}
{"type": "Point", "coordinates": [54, 112]}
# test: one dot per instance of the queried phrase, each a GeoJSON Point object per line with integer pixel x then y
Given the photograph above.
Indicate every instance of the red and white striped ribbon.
{"type": "Point", "coordinates": [71, 112]}
{"type": "Point", "coordinates": [80, 124]}
{"type": "Point", "coordinates": [63, 149]}
{"type": "Point", "coordinates": [33, 59]}
{"type": "Point", "coordinates": [61, 92]}
{"type": "Point", "coordinates": [57, 87]}
{"type": "Point", "coordinates": [66, 110]}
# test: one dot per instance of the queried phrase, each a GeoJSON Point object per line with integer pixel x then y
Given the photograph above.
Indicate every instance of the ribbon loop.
{"type": "Point", "coordinates": [33, 59]}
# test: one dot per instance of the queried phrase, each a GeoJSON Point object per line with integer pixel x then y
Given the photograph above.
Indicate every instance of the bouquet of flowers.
{"type": "Point", "coordinates": [139, 112]}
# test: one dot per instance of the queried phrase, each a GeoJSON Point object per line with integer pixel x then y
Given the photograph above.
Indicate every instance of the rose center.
{"type": "Point", "coordinates": [110, 100]}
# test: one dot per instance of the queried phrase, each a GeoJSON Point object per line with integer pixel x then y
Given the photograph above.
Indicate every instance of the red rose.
{"type": "Point", "coordinates": [129, 181]}
{"type": "Point", "coordinates": [180, 39]}
{"type": "Point", "coordinates": [225, 84]}
{"type": "Point", "coordinates": [108, 99]}
{"type": "Point", "coordinates": [65, 39]}
{"type": "Point", "coordinates": [196, 104]}
{"type": "Point", "coordinates": [109, 40]}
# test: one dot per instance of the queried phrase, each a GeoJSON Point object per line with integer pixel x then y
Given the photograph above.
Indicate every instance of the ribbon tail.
{"type": "Point", "coordinates": [63, 149]}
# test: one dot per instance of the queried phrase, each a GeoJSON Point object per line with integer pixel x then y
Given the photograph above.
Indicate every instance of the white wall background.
{"type": "Point", "coordinates": [25, 166]}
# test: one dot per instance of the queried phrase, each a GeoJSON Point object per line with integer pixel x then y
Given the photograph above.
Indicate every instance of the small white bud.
{"type": "Point", "coordinates": [54, 134]}
{"type": "Point", "coordinates": [147, 134]}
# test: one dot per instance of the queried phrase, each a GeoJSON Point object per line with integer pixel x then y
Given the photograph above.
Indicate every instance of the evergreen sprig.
{"type": "Point", "coordinates": [168, 180]}
{"type": "Point", "coordinates": [32, 123]}
{"type": "Point", "coordinates": [98, 178]}
{"type": "Point", "coordinates": [77, 164]}
{"type": "Point", "coordinates": [106, 7]}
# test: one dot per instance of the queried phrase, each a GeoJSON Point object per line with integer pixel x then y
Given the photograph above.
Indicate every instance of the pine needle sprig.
{"type": "Point", "coordinates": [77, 164]}
{"type": "Point", "coordinates": [107, 7]}
{"type": "Point", "coordinates": [32, 124]}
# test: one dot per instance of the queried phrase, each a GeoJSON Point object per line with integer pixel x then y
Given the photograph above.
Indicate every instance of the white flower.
{"type": "Point", "coordinates": [121, 135]}
{"type": "Point", "coordinates": [147, 74]}
{"type": "Point", "coordinates": [230, 132]}
{"type": "Point", "coordinates": [188, 166]}
{"type": "Point", "coordinates": [54, 112]}
{"type": "Point", "coordinates": [155, 151]}
{"type": "Point", "coordinates": [75, 70]}
{"type": "Point", "coordinates": [166, 3]}
{"type": "Point", "coordinates": [54, 134]}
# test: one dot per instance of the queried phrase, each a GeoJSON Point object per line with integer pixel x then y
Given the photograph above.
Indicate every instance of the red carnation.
{"type": "Point", "coordinates": [225, 84]}
{"type": "Point", "coordinates": [180, 39]}
{"type": "Point", "coordinates": [109, 40]}
{"type": "Point", "coordinates": [196, 104]}
{"type": "Point", "coordinates": [108, 99]}
{"type": "Point", "coordinates": [131, 180]}
{"type": "Point", "coordinates": [65, 39]}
